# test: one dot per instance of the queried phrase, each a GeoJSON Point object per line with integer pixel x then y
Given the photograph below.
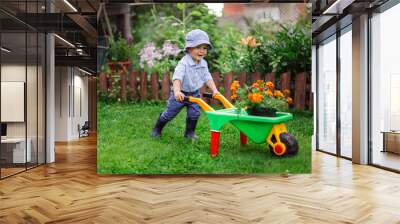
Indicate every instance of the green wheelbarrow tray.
{"type": "Point", "coordinates": [256, 128]}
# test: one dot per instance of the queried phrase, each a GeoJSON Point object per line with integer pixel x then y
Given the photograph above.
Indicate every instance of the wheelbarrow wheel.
{"type": "Point", "coordinates": [292, 146]}
{"type": "Point", "coordinates": [290, 142]}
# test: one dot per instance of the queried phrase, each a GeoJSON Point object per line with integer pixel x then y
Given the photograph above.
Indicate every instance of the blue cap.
{"type": "Point", "coordinates": [195, 38]}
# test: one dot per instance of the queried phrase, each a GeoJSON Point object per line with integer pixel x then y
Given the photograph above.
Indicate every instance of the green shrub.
{"type": "Point", "coordinates": [119, 50]}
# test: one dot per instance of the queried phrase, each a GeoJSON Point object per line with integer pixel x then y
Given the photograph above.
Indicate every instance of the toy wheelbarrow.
{"type": "Point", "coordinates": [258, 129]}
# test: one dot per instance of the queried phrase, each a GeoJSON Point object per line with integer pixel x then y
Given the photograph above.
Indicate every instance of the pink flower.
{"type": "Point", "coordinates": [149, 54]}
{"type": "Point", "coordinates": [170, 49]}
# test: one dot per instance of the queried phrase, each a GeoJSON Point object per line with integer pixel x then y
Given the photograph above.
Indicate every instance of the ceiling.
{"type": "Point", "coordinates": [74, 21]}
{"type": "Point", "coordinates": [330, 15]}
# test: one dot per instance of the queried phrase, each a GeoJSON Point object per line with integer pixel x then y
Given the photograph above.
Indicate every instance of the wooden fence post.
{"type": "Point", "coordinates": [154, 86]}
{"type": "Point", "coordinates": [300, 91]}
{"type": "Point", "coordinates": [227, 85]}
{"type": "Point", "coordinates": [270, 77]}
{"type": "Point", "coordinates": [165, 86]}
{"type": "Point", "coordinates": [103, 81]}
{"type": "Point", "coordinates": [143, 86]}
{"type": "Point", "coordinates": [123, 86]}
{"type": "Point", "coordinates": [110, 81]}
{"type": "Point", "coordinates": [241, 77]}
{"type": "Point", "coordinates": [255, 76]}
{"type": "Point", "coordinates": [133, 85]}
{"type": "Point", "coordinates": [285, 81]}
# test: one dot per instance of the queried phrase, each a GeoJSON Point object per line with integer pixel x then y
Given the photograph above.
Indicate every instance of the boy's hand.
{"type": "Point", "coordinates": [179, 96]}
{"type": "Point", "coordinates": [215, 92]}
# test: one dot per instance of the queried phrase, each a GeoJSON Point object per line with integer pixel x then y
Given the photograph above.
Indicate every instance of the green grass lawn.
{"type": "Point", "coordinates": [124, 145]}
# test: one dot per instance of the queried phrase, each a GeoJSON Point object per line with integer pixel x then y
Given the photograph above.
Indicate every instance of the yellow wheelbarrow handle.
{"type": "Point", "coordinates": [223, 100]}
{"type": "Point", "coordinates": [219, 97]}
{"type": "Point", "coordinates": [204, 106]}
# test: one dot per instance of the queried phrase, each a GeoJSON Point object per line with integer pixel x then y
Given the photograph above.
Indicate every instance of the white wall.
{"type": "Point", "coordinates": [80, 101]}
{"type": "Point", "coordinates": [62, 81]}
{"type": "Point", "coordinates": [34, 125]}
{"type": "Point", "coordinates": [13, 73]}
{"type": "Point", "coordinates": [71, 94]}
{"type": "Point", "coordinates": [50, 96]}
{"type": "Point", "coordinates": [9, 73]}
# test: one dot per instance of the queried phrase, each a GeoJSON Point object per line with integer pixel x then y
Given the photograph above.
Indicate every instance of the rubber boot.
{"type": "Point", "coordinates": [190, 127]}
{"type": "Point", "coordinates": [156, 132]}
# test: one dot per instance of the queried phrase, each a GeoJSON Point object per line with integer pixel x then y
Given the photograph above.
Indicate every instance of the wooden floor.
{"type": "Point", "coordinates": [70, 191]}
{"type": "Point", "coordinates": [387, 159]}
{"type": "Point", "coordinates": [10, 171]}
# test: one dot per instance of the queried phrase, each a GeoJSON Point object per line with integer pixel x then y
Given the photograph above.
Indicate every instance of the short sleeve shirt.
{"type": "Point", "coordinates": [192, 75]}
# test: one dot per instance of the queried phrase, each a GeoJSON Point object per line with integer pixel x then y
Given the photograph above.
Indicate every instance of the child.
{"type": "Point", "coordinates": [190, 75]}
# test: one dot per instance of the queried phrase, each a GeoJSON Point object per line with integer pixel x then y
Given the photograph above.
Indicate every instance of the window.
{"type": "Point", "coordinates": [346, 93]}
{"type": "Point", "coordinates": [385, 89]}
{"type": "Point", "coordinates": [327, 96]}
{"type": "Point", "coordinates": [22, 77]}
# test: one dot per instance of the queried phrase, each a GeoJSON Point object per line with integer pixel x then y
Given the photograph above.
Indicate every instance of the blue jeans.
{"type": "Point", "coordinates": [174, 107]}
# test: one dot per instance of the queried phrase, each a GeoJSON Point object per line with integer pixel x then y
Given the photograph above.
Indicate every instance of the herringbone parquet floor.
{"type": "Point", "coordinates": [70, 191]}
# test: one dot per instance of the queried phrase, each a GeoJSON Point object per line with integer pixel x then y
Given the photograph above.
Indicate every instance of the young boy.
{"type": "Point", "coordinates": [190, 75]}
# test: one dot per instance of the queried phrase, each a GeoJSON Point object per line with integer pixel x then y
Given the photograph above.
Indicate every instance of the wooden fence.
{"type": "Point", "coordinates": [129, 86]}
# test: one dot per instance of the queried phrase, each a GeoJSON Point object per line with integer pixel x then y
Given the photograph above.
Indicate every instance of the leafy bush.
{"type": "Point", "coordinates": [291, 48]}
{"type": "Point", "coordinates": [229, 50]}
{"type": "Point", "coordinates": [119, 50]}
{"type": "Point", "coordinates": [251, 54]}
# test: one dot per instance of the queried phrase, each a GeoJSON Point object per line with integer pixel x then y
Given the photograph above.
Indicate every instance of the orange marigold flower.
{"type": "Point", "coordinates": [235, 85]}
{"type": "Point", "coordinates": [278, 93]}
{"type": "Point", "coordinates": [269, 84]}
{"type": "Point", "coordinates": [250, 97]}
{"type": "Point", "coordinates": [255, 85]}
{"type": "Point", "coordinates": [269, 93]}
{"type": "Point", "coordinates": [255, 97]}
{"type": "Point", "coordinates": [234, 96]}
{"type": "Point", "coordinates": [286, 92]}
{"type": "Point", "coordinates": [289, 100]}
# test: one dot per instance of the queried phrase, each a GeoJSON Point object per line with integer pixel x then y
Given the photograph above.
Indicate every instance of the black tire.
{"type": "Point", "coordinates": [292, 146]}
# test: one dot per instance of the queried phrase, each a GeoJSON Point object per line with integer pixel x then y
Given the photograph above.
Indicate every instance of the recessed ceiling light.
{"type": "Point", "coordinates": [86, 72]}
{"type": "Point", "coordinates": [65, 41]}
{"type": "Point", "coordinates": [337, 7]}
{"type": "Point", "coordinates": [70, 5]}
{"type": "Point", "coordinates": [5, 50]}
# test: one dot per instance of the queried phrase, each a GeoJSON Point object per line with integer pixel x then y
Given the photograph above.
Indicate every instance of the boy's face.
{"type": "Point", "coordinates": [198, 52]}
